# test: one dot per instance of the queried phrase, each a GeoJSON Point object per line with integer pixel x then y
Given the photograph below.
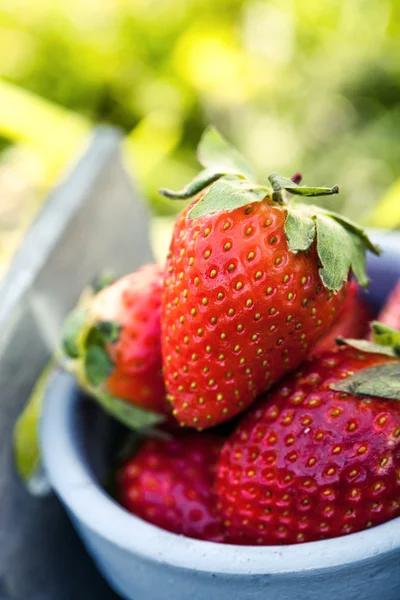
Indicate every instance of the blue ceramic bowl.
{"type": "Point", "coordinates": [141, 561]}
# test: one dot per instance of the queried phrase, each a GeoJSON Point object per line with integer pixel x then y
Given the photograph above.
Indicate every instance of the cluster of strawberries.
{"type": "Point", "coordinates": [244, 318]}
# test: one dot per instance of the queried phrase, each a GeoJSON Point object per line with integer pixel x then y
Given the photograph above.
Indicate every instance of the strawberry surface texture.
{"type": "Point", "coordinates": [239, 311]}
{"type": "Point", "coordinates": [169, 483]}
{"type": "Point", "coordinates": [353, 321]}
{"type": "Point", "coordinates": [309, 462]}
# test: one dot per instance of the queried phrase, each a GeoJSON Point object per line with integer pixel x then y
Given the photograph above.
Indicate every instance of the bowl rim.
{"type": "Point", "coordinates": [96, 510]}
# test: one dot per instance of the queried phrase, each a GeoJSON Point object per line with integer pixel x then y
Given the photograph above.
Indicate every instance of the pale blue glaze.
{"type": "Point", "coordinates": [143, 562]}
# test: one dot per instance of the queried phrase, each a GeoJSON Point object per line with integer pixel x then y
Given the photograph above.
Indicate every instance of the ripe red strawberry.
{"type": "Point", "coordinates": [390, 313]}
{"type": "Point", "coordinates": [310, 462]}
{"type": "Point", "coordinates": [252, 281]}
{"type": "Point", "coordinates": [353, 321]}
{"type": "Point", "coordinates": [114, 348]}
{"type": "Point", "coordinates": [169, 483]}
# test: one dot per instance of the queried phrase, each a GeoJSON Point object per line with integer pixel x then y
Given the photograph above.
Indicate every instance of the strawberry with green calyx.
{"type": "Point", "coordinates": [319, 457]}
{"type": "Point", "coordinates": [168, 482]}
{"type": "Point", "coordinates": [111, 343]}
{"type": "Point", "coordinates": [253, 279]}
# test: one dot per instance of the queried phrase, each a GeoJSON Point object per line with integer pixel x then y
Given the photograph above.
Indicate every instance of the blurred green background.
{"type": "Point", "coordinates": [310, 86]}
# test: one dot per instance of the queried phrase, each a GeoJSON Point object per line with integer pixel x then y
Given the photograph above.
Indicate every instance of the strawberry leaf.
{"type": "Point", "coordinates": [382, 381]}
{"type": "Point", "coordinates": [215, 153]}
{"type": "Point", "coordinates": [386, 336]}
{"type": "Point", "coordinates": [227, 194]}
{"type": "Point", "coordinates": [356, 229]}
{"type": "Point", "coordinates": [282, 183]}
{"type": "Point", "coordinates": [98, 366]}
{"type": "Point", "coordinates": [102, 281]}
{"type": "Point", "coordinates": [219, 158]}
{"type": "Point", "coordinates": [335, 252]}
{"type": "Point", "coordinates": [126, 413]}
{"type": "Point", "coordinates": [196, 185]}
{"type": "Point", "coordinates": [369, 347]}
{"type": "Point", "coordinates": [341, 244]}
{"type": "Point", "coordinates": [386, 341]}
{"type": "Point", "coordinates": [128, 447]}
{"type": "Point", "coordinates": [72, 329]}
{"type": "Point", "coordinates": [76, 326]}
{"type": "Point", "coordinates": [359, 260]}
{"type": "Point", "coordinates": [109, 331]}
{"type": "Point", "coordinates": [300, 231]}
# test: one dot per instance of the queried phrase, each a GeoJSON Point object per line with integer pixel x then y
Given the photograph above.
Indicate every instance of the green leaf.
{"type": "Point", "coordinates": [196, 185]}
{"type": "Point", "coordinates": [359, 260]}
{"type": "Point", "coordinates": [215, 153]}
{"type": "Point", "coordinates": [128, 446]}
{"type": "Point", "coordinates": [102, 281]}
{"type": "Point", "coordinates": [382, 381]}
{"type": "Point", "coordinates": [130, 415]}
{"type": "Point", "coordinates": [282, 183]}
{"type": "Point", "coordinates": [341, 244]}
{"type": "Point", "coordinates": [335, 252]}
{"type": "Point", "coordinates": [26, 438]}
{"type": "Point", "coordinates": [386, 341]}
{"type": "Point", "coordinates": [355, 228]}
{"type": "Point", "coordinates": [219, 158]}
{"type": "Point", "coordinates": [92, 337]}
{"type": "Point", "coordinates": [73, 327]}
{"type": "Point", "coordinates": [98, 366]}
{"type": "Point", "coordinates": [300, 230]}
{"type": "Point", "coordinates": [109, 331]}
{"type": "Point", "coordinates": [360, 243]}
{"type": "Point", "coordinates": [369, 347]}
{"type": "Point", "coordinates": [227, 194]}
{"type": "Point", "coordinates": [386, 336]}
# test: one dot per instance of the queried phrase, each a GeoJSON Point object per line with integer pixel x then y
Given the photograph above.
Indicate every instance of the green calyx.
{"type": "Point", "coordinates": [102, 281]}
{"type": "Point", "coordinates": [76, 324]}
{"type": "Point", "coordinates": [229, 183]}
{"type": "Point", "coordinates": [128, 414]}
{"type": "Point", "coordinates": [381, 381]}
{"type": "Point", "coordinates": [385, 341]}
{"type": "Point", "coordinates": [72, 332]}
{"type": "Point", "coordinates": [84, 341]}
{"type": "Point", "coordinates": [84, 345]}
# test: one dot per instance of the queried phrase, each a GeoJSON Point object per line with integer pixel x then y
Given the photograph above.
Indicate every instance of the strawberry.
{"type": "Point", "coordinates": [390, 313]}
{"type": "Point", "coordinates": [112, 344]}
{"type": "Point", "coordinates": [319, 457]}
{"type": "Point", "coordinates": [352, 322]}
{"type": "Point", "coordinates": [169, 483]}
{"type": "Point", "coordinates": [252, 280]}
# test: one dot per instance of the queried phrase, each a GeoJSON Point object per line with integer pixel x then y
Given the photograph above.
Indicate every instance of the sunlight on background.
{"type": "Point", "coordinates": [311, 86]}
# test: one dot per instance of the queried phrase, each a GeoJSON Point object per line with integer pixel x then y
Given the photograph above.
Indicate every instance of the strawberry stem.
{"type": "Point", "coordinates": [297, 177]}
{"type": "Point", "coordinates": [199, 183]}
{"type": "Point", "coordinates": [280, 183]}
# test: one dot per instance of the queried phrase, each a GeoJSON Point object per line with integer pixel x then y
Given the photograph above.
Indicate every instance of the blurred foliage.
{"type": "Point", "coordinates": [305, 86]}
{"type": "Point", "coordinates": [26, 441]}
